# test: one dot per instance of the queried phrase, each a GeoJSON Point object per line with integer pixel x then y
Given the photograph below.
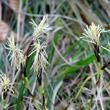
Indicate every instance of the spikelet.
{"type": "Point", "coordinates": [40, 29]}
{"type": "Point", "coordinates": [40, 57]}
{"type": "Point", "coordinates": [92, 33]}
{"type": "Point", "coordinates": [15, 54]}
{"type": "Point", "coordinates": [5, 85]}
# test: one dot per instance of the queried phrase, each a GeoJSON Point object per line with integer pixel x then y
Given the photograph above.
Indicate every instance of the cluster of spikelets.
{"type": "Point", "coordinates": [16, 57]}
{"type": "Point", "coordinates": [40, 29]}
{"type": "Point", "coordinates": [40, 57]}
{"type": "Point", "coordinates": [15, 54]}
{"type": "Point", "coordinates": [5, 85]}
{"type": "Point", "coordinates": [93, 33]}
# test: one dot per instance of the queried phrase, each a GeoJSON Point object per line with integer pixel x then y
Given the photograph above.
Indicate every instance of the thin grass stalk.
{"type": "Point", "coordinates": [40, 88]}
{"type": "Point", "coordinates": [43, 102]}
{"type": "Point", "coordinates": [90, 103]}
{"type": "Point", "coordinates": [27, 82]}
{"type": "Point", "coordinates": [84, 84]}
{"type": "Point", "coordinates": [39, 77]}
{"type": "Point", "coordinates": [4, 103]}
{"type": "Point", "coordinates": [25, 64]}
{"type": "Point", "coordinates": [106, 86]}
{"type": "Point", "coordinates": [98, 78]}
{"type": "Point", "coordinates": [33, 99]}
{"type": "Point", "coordinates": [22, 108]}
{"type": "Point", "coordinates": [21, 87]}
{"type": "Point", "coordinates": [25, 75]}
{"type": "Point", "coordinates": [26, 78]}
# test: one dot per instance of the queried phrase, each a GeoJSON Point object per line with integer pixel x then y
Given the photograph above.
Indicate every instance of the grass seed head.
{"type": "Point", "coordinates": [5, 85]}
{"type": "Point", "coordinates": [40, 29]}
{"type": "Point", "coordinates": [15, 54]}
{"type": "Point", "coordinates": [92, 33]}
{"type": "Point", "coordinates": [40, 57]}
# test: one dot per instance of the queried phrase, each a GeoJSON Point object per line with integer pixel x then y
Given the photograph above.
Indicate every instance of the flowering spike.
{"type": "Point", "coordinates": [5, 85]}
{"type": "Point", "coordinates": [40, 29]}
{"type": "Point", "coordinates": [92, 33]}
{"type": "Point", "coordinates": [11, 44]}
{"type": "Point", "coordinates": [40, 57]}
{"type": "Point", "coordinates": [15, 54]}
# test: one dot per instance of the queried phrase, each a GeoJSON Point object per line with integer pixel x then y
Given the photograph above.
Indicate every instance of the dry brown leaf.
{"type": "Point", "coordinates": [14, 4]}
{"type": "Point", "coordinates": [4, 30]}
{"type": "Point", "coordinates": [86, 18]}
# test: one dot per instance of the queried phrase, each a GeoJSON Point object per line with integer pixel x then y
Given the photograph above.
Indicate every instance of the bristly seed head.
{"type": "Point", "coordinates": [92, 33]}
{"type": "Point", "coordinates": [40, 57]}
{"type": "Point", "coordinates": [5, 85]}
{"type": "Point", "coordinates": [15, 54]}
{"type": "Point", "coordinates": [40, 29]}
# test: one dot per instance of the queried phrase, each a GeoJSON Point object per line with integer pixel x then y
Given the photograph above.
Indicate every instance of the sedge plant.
{"type": "Point", "coordinates": [21, 61]}
{"type": "Point", "coordinates": [5, 86]}
{"type": "Point", "coordinates": [92, 35]}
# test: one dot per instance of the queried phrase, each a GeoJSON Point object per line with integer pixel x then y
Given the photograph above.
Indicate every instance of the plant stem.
{"type": "Point", "coordinates": [33, 98]}
{"type": "Point", "coordinates": [42, 97]}
{"type": "Point", "coordinates": [98, 72]}
{"type": "Point", "coordinates": [27, 82]}
{"type": "Point", "coordinates": [105, 86]}
{"type": "Point", "coordinates": [98, 75]}
{"type": "Point", "coordinates": [40, 88]}
{"type": "Point", "coordinates": [43, 108]}
{"type": "Point", "coordinates": [90, 103]}
{"type": "Point", "coordinates": [4, 102]}
{"type": "Point", "coordinates": [25, 61]}
{"type": "Point", "coordinates": [35, 103]}
{"type": "Point", "coordinates": [21, 92]}
{"type": "Point", "coordinates": [99, 69]}
{"type": "Point", "coordinates": [22, 108]}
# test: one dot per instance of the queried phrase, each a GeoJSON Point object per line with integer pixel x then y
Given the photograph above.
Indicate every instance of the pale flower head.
{"type": "Point", "coordinates": [15, 54]}
{"type": "Point", "coordinates": [92, 33]}
{"type": "Point", "coordinates": [40, 29]}
{"type": "Point", "coordinates": [5, 85]}
{"type": "Point", "coordinates": [11, 44]}
{"type": "Point", "coordinates": [40, 57]}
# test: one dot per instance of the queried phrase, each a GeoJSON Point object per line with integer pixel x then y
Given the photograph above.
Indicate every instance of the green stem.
{"type": "Point", "coordinates": [90, 103]}
{"type": "Point", "coordinates": [98, 72]}
{"type": "Point", "coordinates": [83, 86]}
{"type": "Point", "coordinates": [98, 75]}
{"type": "Point", "coordinates": [86, 81]}
{"type": "Point", "coordinates": [105, 86]}
{"type": "Point", "coordinates": [43, 108]}
{"type": "Point", "coordinates": [22, 108]}
{"type": "Point", "coordinates": [41, 94]}
{"type": "Point", "coordinates": [25, 61]}
{"type": "Point", "coordinates": [33, 98]}
{"type": "Point", "coordinates": [99, 69]}
{"type": "Point", "coordinates": [20, 93]}
{"type": "Point", "coordinates": [40, 88]}
{"type": "Point", "coordinates": [26, 78]}
{"type": "Point", "coordinates": [27, 82]}
{"type": "Point", "coordinates": [35, 103]}
{"type": "Point", "coordinates": [4, 102]}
